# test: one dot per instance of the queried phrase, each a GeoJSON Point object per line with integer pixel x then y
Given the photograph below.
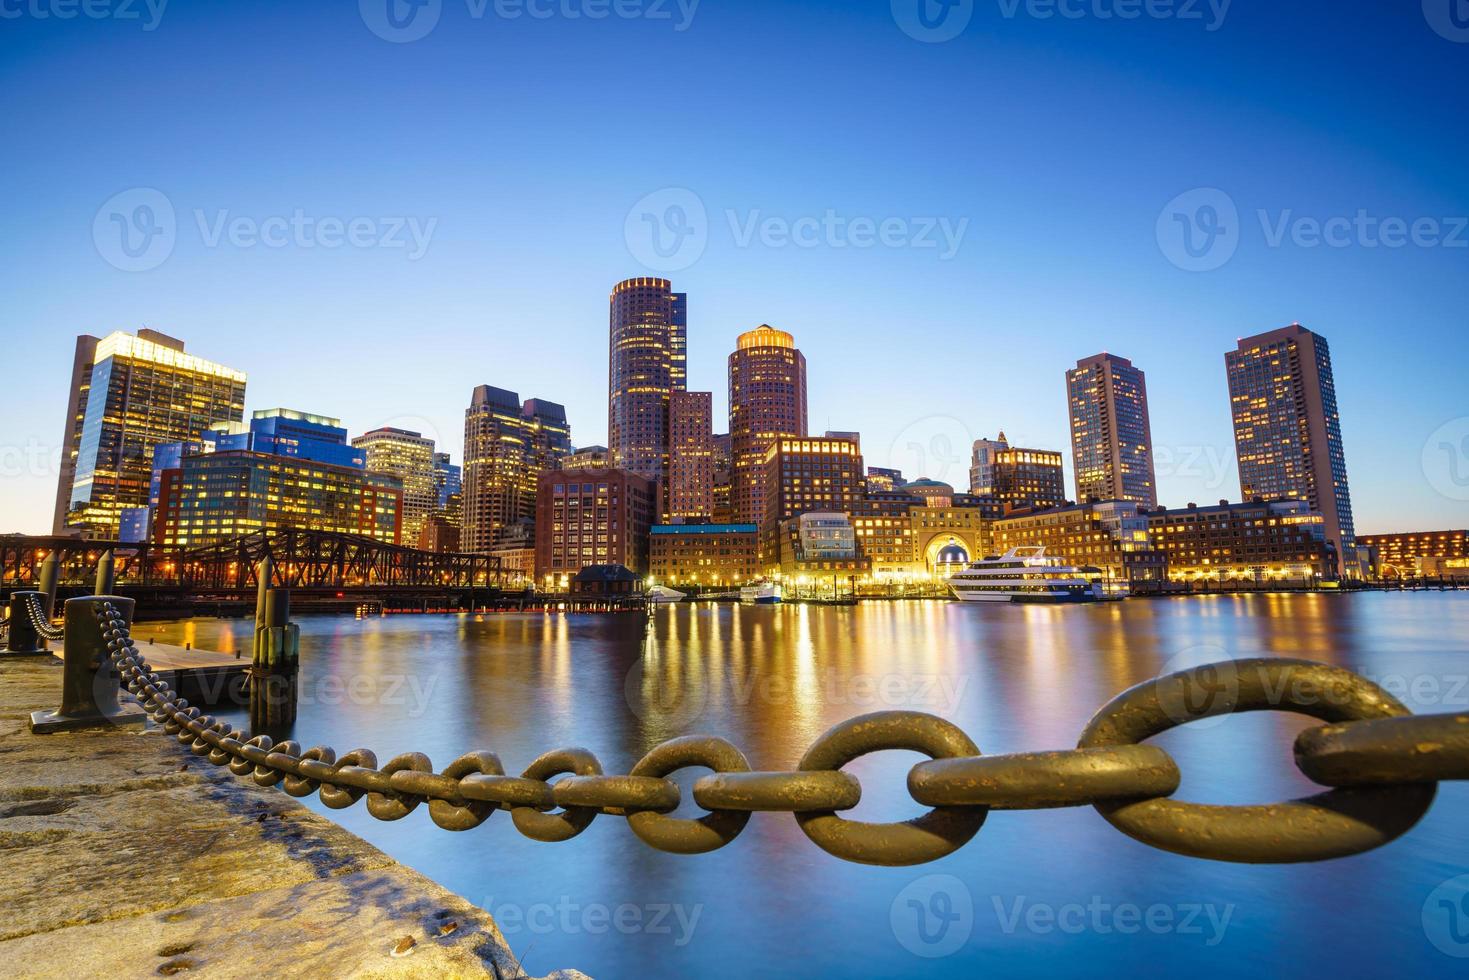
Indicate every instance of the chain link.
{"type": "Point", "coordinates": [1384, 762]}
{"type": "Point", "coordinates": [40, 623]}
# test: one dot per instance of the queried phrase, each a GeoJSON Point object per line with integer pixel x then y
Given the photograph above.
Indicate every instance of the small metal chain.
{"type": "Point", "coordinates": [1383, 763]}
{"type": "Point", "coordinates": [40, 623]}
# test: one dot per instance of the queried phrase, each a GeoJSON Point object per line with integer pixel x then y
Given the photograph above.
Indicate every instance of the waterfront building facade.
{"type": "Point", "coordinates": [591, 517]}
{"type": "Point", "coordinates": [946, 535]}
{"type": "Point", "coordinates": [508, 445]}
{"type": "Point", "coordinates": [1281, 542]}
{"type": "Point", "coordinates": [767, 401]}
{"type": "Point", "coordinates": [1287, 432]}
{"type": "Point", "coordinates": [141, 391]}
{"type": "Point", "coordinates": [217, 497]}
{"type": "Point", "coordinates": [1407, 555]}
{"type": "Point", "coordinates": [703, 555]}
{"type": "Point", "coordinates": [647, 363]}
{"type": "Point", "coordinates": [883, 525]}
{"type": "Point", "coordinates": [1111, 535]}
{"type": "Point", "coordinates": [409, 458]}
{"type": "Point", "coordinates": [690, 493]}
{"type": "Point", "coordinates": [817, 546]}
{"type": "Point", "coordinates": [804, 476]}
{"type": "Point", "coordinates": [1111, 435]}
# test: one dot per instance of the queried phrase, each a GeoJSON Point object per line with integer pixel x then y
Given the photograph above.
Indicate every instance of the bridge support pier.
{"type": "Point", "coordinates": [90, 685]}
{"type": "Point", "coordinates": [276, 667]}
{"type": "Point", "coordinates": [23, 639]}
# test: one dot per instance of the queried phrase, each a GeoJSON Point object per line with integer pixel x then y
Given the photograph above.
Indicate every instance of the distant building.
{"type": "Point", "coordinates": [140, 391]}
{"type": "Point", "coordinates": [587, 458]}
{"type": "Point", "coordinates": [882, 523]}
{"type": "Point", "coordinates": [933, 493]}
{"type": "Point", "coordinates": [1111, 535]}
{"type": "Point", "coordinates": [591, 517]}
{"type": "Point", "coordinates": [287, 432]}
{"type": "Point", "coordinates": [941, 534]}
{"type": "Point", "coordinates": [767, 401]}
{"type": "Point", "coordinates": [216, 497]}
{"type": "Point", "coordinates": [1021, 478]}
{"type": "Point", "coordinates": [1111, 435]}
{"type": "Point", "coordinates": [507, 446]}
{"type": "Point", "coordinates": [704, 554]}
{"type": "Point", "coordinates": [76, 415]}
{"type": "Point", "coordinates": [135, 525]}
{"type": "Point", "coordinates": [409, 458]}
{"type": "Point", "coordinates": [804, 476]}
{"type": "Point", "coordinates": [690, 493]}
{"type": "Point", "coordinates": [881, 480]}
{"type": "Point", "coordinates": [448, 479]}
{"type": "Point", "coordinates": [440, 534]}
{"type": "Point", "coordinates": [1405, 555]}
{"type": "Point", "coordinates": [723, 512]}
{"type": "Point", "coordinates": [1287, 432]}
{"type": "Point", "coordinates": [605, 582]}
{"type": "Point", "coordinates": [517, 565]}
{"type": "Point", "coordinates": [648, 362]}
{"type": "Point", "coordinates": [817, 545]}
{"type": "Point", "coordinates": [1279, 542]}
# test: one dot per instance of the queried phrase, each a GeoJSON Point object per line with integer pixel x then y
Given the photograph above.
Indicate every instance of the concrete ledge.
{"type": "Point", "coordinates": [123, 854]}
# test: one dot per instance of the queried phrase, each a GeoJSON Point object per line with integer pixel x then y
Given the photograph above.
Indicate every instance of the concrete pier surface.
{"type": "Point", "coordinates": [122, 854]}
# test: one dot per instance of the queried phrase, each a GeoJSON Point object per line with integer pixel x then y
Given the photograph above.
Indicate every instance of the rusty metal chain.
{"type": "Point", "coordinates": [40, 623]}
{"type": "Point", "coordinates": [1382, 763]}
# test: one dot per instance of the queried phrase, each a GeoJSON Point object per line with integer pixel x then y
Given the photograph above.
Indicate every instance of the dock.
{"type": "Point", "coordinates": [127, 856]}
{"type": "Point", "coordinates": [204, 677]}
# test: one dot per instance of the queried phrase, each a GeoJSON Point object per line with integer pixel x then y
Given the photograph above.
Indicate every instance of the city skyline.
{"type": "Point", "coordinates": [1059, 260]}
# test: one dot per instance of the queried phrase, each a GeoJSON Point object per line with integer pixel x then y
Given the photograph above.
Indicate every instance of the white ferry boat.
{"type": "Point", "coordinates": [760, 593]}
{"type": "Point", "coordinates": [662, 593]}
{"type": "Point", "coordinates": [1028, 575]}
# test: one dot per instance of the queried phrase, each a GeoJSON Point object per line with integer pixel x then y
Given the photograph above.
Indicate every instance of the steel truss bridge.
{"type": "Point", "coordinates": [303, 560]}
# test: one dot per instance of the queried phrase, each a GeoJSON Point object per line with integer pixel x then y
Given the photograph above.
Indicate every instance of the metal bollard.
{"type": "Point", "coordinates": [106, 575]}
{"type": "Point", "coordinates": [276, 666]}
{"type": "Point", "coordinates": [90, 685]}
{"type": "Point", "coordinates": [50, 576]}
{"type": "Point", "coordinates": [23, 639]}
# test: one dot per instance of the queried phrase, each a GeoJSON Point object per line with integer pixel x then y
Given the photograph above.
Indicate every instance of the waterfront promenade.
{"type": "Point", "coordinates": [127, 856]}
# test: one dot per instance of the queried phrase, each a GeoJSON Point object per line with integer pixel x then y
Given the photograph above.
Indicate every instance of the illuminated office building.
{"type": "Point", "coordinates": [805, 476]}
{"type": "Point", "coordinates": [287, 432]}
{"type": "Point", "coordinates": [1112, 536]}
{"type": "Point", "coordinates": [647, 363]}
{"type": "Point", "coordinates": [71, 436]}
{"type": "Point", "coordinates": [141, 391]}
{"type": "Point", "coordinates": [703, 554]}
{"type": "Point", "coordinates": [1111, 437]}
{"type": "Point", "coordinates": [1287, 432]}
{"type": "Point", "coordinates": [767, 400]}
{"type": "Point", "coordinates": [1282, 542]}
{"type": "Point", "coordinates": [691, 456]}
{"type": "Point", "coordinates": [409, 458]}
{"type": "Point", "coordinates": [217, 497]}
{"type": "Point", "coordinates": [448, 479]}
{"type": "Point", "coordinates": [507, 446]}
{"type": "Point", "coordinates": [1019, 478]}
{"type": "Point", "coordinates": [587, 458]}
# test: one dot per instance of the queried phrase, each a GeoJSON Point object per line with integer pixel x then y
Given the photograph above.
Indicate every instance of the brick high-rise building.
{"type": "Point", "coordinates": [1287, 432]}
{"type": "Point", "coordinates": [804, 476]}
{"type": "Point", "coordinates": [691, 456]}
{"type": "Point", "coordinates": [647, 363]}
{"type": "Point", "coordinates": [591, 517]}
{"type": "Point", "coordinates": [767, 400]}
{"type": "Point", "coordinates": [507, 446]}
{"type": "Point", "coordinates": [1111, 437]}
{"type": "Point", "coordinates": [141, 391]}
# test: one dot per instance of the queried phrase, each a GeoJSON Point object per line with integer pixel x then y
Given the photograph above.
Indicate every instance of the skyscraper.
{"type": "Point", "coordinates": [408, 457]}
{"type": "Point", "coordinates": [507, 445]}
{"type": "Point", "coordinates": [691, 456]}
{"type": "Point", "coordinates": [141, 391]}
{"type": "Point", "coordinates": [448, 478]}
{"type": "Point", "coordinates": [1021, 478]}
{"type": "Point", "coordinates": [767, 400]}
{"type": "Point", "coordinates": [71, 436]}
{"type": "Point", "coordinates": [1286, 428]}
{"type": "Point", "coordinates": [647, 363]}
{"type": "Point", "coordinates": [1111, 437]}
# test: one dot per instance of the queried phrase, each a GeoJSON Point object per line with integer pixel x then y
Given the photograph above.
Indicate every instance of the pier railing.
{"type": "Point", "coordinates": [1381, 765]}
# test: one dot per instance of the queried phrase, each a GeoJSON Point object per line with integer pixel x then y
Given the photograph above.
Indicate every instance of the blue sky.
{"type": "Point", "coordinates": [520, 148]}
